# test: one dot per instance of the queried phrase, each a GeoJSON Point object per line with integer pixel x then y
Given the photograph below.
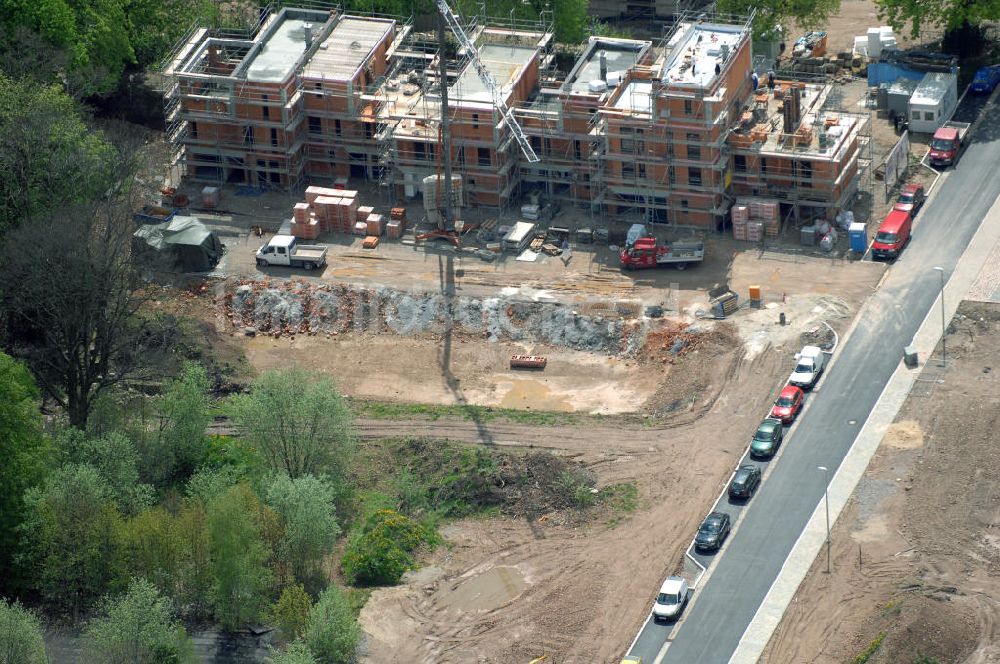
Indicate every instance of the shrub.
{"type": "Point", "coordinates": [380, 553]}
{"type": "Point", "coordinates": [332, 634]}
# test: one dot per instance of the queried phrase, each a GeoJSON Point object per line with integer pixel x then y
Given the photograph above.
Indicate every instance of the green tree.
{"type": "Point", "coordinates": [961, 19]}
{"type": "Point", "coordinates": [48, 156]}
{"type": "Point", "coordinates": [380, 553]}
{"type": "Point", "coordinates": [332, 634]}
{"type": "Point", "coordinates": [72, 537]}
{"type": "Point", "coordinates": [295, 653]}
{"type": "Point", "coordinates": [306, 507]}
{"type": "Point", "coordinates": [154, 25]}
{"type": "Point", "coordinates": [194, 575]}
{"type": "Point", "coordinates": [291, 612]}
{"type": "Point", "coordinates": [116, 460]}
{"type": "Point", "coordinates": [137, 628]}
{"type": "Point", "coordinates": [24, 450]}
{"type": "Point", "coordinates": [770, 14]}
{"type": "Point", "coordinates": [180, 444]}
{"type": "Point", "coordinates": [298, 422]}
{"type": "Point", "coordinates": [242, 580]}
{"type": "Point", "coordinates": [20, 636]}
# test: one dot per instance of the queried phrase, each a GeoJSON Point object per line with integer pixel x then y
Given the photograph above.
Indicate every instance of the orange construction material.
{"type": "Point", "coordinates": [754, 292]}
{"type": "Point", "coordinates": [370, 242]}
{"type": "Point", "coordinates": [397, 213]}
{"type": "Point", "coordinates": [527, 362]}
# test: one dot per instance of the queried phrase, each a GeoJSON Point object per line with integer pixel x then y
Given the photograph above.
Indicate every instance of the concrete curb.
{"type": "Point", "coordinates": [847, 476]}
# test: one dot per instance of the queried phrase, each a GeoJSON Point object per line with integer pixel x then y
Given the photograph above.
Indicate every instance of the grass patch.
{"type": "Point", "coordinates": [357, 598]}
{"type": "Point", "coordinates": [380, 410]}
{"type": "Point", "coordinates": [872, 648]}
{"type": "Point", "coordinates": [622, 497]}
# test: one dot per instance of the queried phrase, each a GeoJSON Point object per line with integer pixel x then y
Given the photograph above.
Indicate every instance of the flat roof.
{"type": "Point", "coordinates": [280, 52]}
{"type": "Point", "coordinates": [619, 54]}
{"type": "Point", "coordinates": [505, 62]}
{"type": "Point", "coordinates": [933, 88]}
{"type": "Point", "coordinates": [636, 97]}
{"type": "Point", "coordinates": [697, 51]}
{"type": "Point", "coordinates": [348, 47]}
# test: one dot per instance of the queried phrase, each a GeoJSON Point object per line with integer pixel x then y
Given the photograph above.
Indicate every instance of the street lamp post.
{"type": "Point", "coordinates": [944, 325]}
{"type": "Point", "coordinates": [826, 501]}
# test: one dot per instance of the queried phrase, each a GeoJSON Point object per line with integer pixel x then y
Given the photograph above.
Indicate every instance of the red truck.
{"type": "Point", "coordinates": [646, 253]}
{"type": "Point", "coordinates": [947, 142]}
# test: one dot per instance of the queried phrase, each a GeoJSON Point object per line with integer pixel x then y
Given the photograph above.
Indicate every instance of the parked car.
{"type": "Point", "coordinates": [788, 404]}
{"type": "Point", "coordinates": [713, 532]}
{"type": "Point", "coordinates": [809, 365]}
{"type": "Point", "coordinates": [671, 599]}
{"type": "Point", "coordinates": [911, 199]}
{"type": "Point", "coordinates": [893, 235]}
{"type": "Point", "coordinates": [767, 439]}
{"type": "Point", "coordinates": [744, 482]}
{"type": "Point", "coordinates": [986, 79]}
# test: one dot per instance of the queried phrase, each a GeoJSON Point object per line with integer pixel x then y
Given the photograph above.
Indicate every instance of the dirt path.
{"type": "Point", "coordinates": [916, 556]}
{"type": "Point", "coordinates": [571, 591]}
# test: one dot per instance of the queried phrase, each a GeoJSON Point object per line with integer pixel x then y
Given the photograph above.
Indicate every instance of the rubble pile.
{"type": "Point", "coordinates": [287, 308]}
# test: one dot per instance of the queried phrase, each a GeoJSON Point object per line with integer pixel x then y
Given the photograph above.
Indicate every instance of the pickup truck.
{"type": "Point", "coordinates": [811, 362]}
{"type": "Point", "coordinates": [285, 250]}
{"type": "Point", "coordinates": [947, 142]}
{"type": "Point", "coordinates": [646, 253]}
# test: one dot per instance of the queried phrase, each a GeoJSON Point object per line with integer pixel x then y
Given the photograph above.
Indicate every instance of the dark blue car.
{"type": "Point", "coordinates": [986, 79]}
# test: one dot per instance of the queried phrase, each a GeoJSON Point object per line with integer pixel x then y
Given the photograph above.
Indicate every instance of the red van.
{"type": "Point", "coordinates": [893, 234]}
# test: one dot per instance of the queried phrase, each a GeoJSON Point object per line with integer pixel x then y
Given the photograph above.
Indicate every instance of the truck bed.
{"type": "Point", "coordinates": [683, 251]}
{"type": "Point", "coordinates": [309, 252]}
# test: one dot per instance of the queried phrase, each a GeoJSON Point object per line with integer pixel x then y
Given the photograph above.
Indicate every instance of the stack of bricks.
{"type": "Point", "coordinates": [766, 211]}
{"type": "Point", "coordinates": [334, 209]}
{"type": "Point", "coordinates": [397, 223]}
{"type": "Point", "coordinates": [374, 223]}
{"type": "Point", "coordinates": [755, 230]}
{"type": "Point", "coordinates": [741, 215]}
{"type": "Point", "coordinates": [304, 224]}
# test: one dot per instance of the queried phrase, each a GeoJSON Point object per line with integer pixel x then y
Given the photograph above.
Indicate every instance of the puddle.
{"type": "Point", "coordinates": [535, 395]}
{"type": "Point", "coordinates": [487, 591]}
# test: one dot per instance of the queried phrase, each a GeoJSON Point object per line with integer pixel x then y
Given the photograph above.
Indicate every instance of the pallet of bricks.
{"type": "Point", "coordinates": [755, 217]}
{"type": "Point", "coordinates": [397, 223]}
{"type": "Point", "coordinates": [325, 210]}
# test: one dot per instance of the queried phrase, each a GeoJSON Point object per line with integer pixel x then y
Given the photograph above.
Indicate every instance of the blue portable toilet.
{"type": "Point", "coordinates": [858, 237]}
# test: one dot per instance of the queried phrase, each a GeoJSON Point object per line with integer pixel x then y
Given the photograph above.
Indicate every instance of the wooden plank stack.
{"type": "Point", "coordinates": [527, 362]}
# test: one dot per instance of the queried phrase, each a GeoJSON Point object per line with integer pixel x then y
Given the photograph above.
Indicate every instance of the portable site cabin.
{"type": "Point", "coordinates": [898, 97]}
{"type": "Point", "coordinates": [933, 102]}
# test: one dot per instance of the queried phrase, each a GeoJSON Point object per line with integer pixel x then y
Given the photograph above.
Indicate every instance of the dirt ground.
{"type": "Point", "coordinates": [916, 554]}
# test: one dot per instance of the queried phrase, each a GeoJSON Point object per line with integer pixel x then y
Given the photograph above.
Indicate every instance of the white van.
{"type": "Point", "coordinates": [671, 599]}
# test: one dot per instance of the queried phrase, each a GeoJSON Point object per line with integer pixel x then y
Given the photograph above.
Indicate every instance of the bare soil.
{"type": "Point", "coordinates": [916, 555]}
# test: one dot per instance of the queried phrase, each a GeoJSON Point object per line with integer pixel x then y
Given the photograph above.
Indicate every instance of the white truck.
{"type": "Point", "coordinates": [811, 361]}
{"type": "Point", "coordinates": [285, 250]}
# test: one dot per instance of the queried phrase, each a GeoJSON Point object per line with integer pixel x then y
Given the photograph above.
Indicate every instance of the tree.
{"type": "Point", "coordinates": [20, 636]}
{"type": "Point", "coordinates": [116, 461]}
{"type": "Point", "coordinates": [241, 578]}
{"type": "Point", "coordinates": [48, 157]}
{"type": "Point", "coordinates": [770, 15]}
{"type": "Point", "coordinates": [154, 25]}
{"type": "Point", "coordinates": [137, 628]}
{"type": "Point", "coordinates": [296, 653]}
{"type": "Point", "coordinates": [298, 422]}
{"type": "Point", "coordinates": [291, 612]}
{"type": "Point", "coordinates": [23, 448]}
{"type": "Point", "coordinates": [306, 507]}
{"type": "Point", "coordinates": [184, 416]}
{"type": "Point", "coordinates": [73, 313]}
{"type": "Point", "coordinates": [959, 18]}
{"type": "Point", "coordinates": [332, 634]}
{"type": "Point", "coordinates": [71, 534]}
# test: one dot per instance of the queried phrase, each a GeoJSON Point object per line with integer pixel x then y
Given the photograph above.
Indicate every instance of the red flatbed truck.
{"type": "Point", "coordinates": [646, 253]}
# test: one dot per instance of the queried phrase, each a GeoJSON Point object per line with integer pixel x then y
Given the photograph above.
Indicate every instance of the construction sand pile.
{"type": "Point", "coordinates": [292, 307]}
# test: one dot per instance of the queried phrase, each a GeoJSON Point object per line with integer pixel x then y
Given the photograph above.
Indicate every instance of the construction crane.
{"type": "Point", "coordinates": [491, 84]}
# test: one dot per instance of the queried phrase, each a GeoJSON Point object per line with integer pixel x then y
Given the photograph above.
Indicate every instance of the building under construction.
{"type": "Point", "coordinates": [670, 131]}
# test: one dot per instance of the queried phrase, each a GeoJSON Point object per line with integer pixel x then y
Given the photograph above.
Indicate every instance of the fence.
{"type": "Point", "coordinates": [897, 162]}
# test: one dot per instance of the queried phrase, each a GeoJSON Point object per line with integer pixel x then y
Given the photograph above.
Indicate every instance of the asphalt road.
{"type": "Point", "coordinates": [751, 560]}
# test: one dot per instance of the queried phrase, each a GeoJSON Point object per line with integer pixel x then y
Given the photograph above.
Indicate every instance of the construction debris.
{"type": "Point", "coordinates": [527, 362]}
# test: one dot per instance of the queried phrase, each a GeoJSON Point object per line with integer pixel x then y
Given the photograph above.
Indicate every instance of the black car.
{"type": "Point", "coordinates": [713, 532]}
{"type": "Point", "coordinates": [744, 482]}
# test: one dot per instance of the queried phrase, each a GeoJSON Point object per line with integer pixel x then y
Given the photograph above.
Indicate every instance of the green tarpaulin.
{"type": "Point", "coordinates": [193, 246]}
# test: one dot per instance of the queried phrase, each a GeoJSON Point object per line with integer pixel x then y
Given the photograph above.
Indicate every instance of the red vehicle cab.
{"type": "Point", "coordinates": [911, 199]}
{"type": "Point", "coordinates": [788, 404]}
{"type": "Point", "coordinates": [892, 235]}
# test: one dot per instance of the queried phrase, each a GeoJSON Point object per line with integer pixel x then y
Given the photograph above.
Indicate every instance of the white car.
{"type": "Point", "coordinates": [811, 362]}
{"type": "Point", "coordinates": [671, 599]}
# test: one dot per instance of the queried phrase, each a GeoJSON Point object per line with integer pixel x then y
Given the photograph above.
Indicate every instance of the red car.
{"type": "Point", "coordinates": [910, 199]}
{"type": "Point", "coordinates": [788, 404]}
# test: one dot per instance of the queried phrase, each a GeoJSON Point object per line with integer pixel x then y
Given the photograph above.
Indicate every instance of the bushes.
{"type": "Point", "coordinates": [332, 634]}
{"type": "Point", "coordinates": [380, 553]}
